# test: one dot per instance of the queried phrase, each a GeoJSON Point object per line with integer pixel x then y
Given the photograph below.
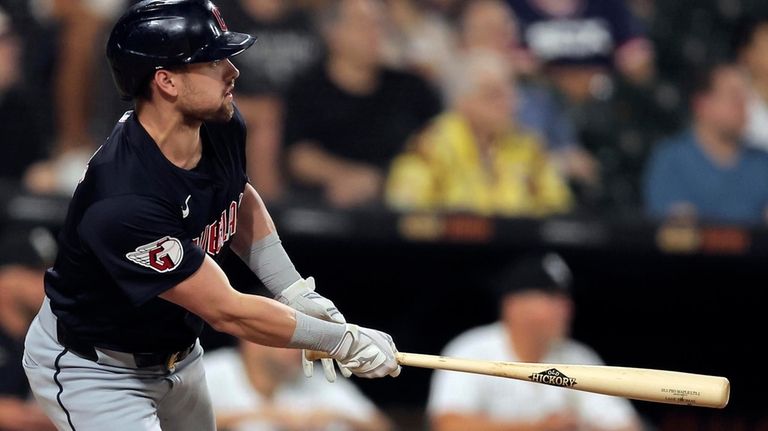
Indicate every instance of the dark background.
{"type": "Point", "coordinates": [696, 304]}
{"type": "Point", "coordinates": [697, 312]}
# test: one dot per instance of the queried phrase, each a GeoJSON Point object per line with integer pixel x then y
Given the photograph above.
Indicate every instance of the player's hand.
{"type": "Point", "coordinates": [301, 296]}
{"type": "Point", "coordinates": [367, 352]}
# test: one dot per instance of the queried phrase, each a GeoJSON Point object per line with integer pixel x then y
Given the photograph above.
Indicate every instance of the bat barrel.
{"type": "Point", "coordinates": [660, 386]}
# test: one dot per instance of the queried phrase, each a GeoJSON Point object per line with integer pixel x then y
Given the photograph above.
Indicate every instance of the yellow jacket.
{"type": "Point", "coordinates": [444, 170]}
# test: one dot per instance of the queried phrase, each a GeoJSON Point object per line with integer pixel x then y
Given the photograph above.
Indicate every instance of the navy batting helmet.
{"type": "Point", "coordinates": [156, 34]}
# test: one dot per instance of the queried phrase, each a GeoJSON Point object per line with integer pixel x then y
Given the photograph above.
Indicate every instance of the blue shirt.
{"type": "Point", "coordinates": [680, 172]}
{"type": "Point", "coordinates": [137, 226]}
{"type": "Point", "coordinates": [540, 111]}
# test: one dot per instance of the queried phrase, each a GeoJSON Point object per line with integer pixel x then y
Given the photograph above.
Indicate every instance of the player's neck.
{"type": "Point", "coordinates": [177, 137]}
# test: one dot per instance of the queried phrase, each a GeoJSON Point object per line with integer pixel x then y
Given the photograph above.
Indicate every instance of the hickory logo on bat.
{"type": "Point", "coordinates": [553, 377]}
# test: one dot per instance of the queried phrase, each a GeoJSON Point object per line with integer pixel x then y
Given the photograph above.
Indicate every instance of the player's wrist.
{"type": "Point", "coordinates": [312, 333]}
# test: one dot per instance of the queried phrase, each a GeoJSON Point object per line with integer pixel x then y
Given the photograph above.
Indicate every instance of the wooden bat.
{"type": "Point", "coordinates": [659, 386]}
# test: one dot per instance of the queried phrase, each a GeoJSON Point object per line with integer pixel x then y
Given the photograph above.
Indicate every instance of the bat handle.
{"type": "Point", "coordinates": [314, 355]}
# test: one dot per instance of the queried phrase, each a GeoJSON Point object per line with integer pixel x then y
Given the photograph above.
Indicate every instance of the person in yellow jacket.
{"type": "Point", "coordinates": [474, 158]}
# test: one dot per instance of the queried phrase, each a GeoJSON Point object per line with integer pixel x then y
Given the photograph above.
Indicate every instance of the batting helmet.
{"type": "Point", "coordinates": [157, 34]}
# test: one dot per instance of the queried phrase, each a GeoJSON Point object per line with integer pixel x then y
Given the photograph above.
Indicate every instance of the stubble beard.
{"type": "Point", "coordinates": [222, 114]}
{"type": "Point", "coordinates": [195, 112]}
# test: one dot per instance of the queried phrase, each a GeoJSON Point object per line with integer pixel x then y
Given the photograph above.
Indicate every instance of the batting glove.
{"type": "Point", "coordinates": [301, 296]}
{"type": "Point", "coordinates": [367, 352]}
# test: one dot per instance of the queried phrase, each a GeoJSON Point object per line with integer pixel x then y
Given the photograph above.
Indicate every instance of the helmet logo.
{"type": "Point", "coordinates": [219, 19]}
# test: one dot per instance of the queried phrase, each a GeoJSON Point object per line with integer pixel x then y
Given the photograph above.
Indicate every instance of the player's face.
{"type": "Point", "coordinates": [206, 89]}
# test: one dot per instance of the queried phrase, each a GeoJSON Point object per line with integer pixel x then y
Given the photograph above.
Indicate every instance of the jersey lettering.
{"type": "Point", "coordinates": [216, 234]}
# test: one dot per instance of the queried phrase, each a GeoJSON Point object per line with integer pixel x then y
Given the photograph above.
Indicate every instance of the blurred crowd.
{"type": "Point", "coordinates": [513, 108]}
{"type": "Point", "coordinates": [523, 108]}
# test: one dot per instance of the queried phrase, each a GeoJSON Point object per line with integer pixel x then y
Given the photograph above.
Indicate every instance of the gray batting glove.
{"type": "Point", "coordinates": [301, 296]}
{"type": "Point", "coordinates": [367, 352]}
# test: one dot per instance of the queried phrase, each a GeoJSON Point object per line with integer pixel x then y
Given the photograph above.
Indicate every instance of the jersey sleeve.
{"type": "Point", "coordinates": [141, 244]}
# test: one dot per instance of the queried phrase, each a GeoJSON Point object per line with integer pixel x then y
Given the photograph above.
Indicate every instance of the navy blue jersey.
{"type": "Point", "coordinates": [589, 36]}
{"type": "Point", "coordinates": [137, 226]}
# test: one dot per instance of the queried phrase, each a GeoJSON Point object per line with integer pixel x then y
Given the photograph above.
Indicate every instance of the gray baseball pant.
{"type": "Point", "coordinates": [112, 394]}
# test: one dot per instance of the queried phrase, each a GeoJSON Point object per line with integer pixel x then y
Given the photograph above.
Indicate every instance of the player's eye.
{"type": "Point", "coordinates": [215, 63]}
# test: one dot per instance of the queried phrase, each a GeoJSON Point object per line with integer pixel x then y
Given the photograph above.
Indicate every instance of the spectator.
{"type": "Point", "coordinates": [20, 127]}
{"type": "Point", "coordinates": [348, 118]}
{"type": "Point", "coordinates": [579, 40]}
{"type": "Point", "coordinates": [259, 388]}
{"type": "Point", "coordinates": [595, 53]}
{"type": "Point", "coordinates": [82, 25]}
{"type": "Point", "coordinates": [418, 40]}
{"type": "Point", "coordinates": [536, 312]}
{"type": "Point", "coordinates": [288, 46]}
{"type": "Point", "coordinates": [491, 25]}
{"type": "Point", "coordinates": [474, 157]}
{"type": "Point", "coordinates": [21, 294]}
{"type": "Point", "coordinates": [752, 47]}
{"type": "Point", "coordinates": [707, 171]}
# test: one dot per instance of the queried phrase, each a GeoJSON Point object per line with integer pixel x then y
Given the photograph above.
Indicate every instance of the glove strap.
{"type": "Point", "coordinates": [298, 288]}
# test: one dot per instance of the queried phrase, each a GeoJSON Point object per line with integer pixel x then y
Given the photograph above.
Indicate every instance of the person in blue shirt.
{"type": "Point", "coordinates": [707, 171]}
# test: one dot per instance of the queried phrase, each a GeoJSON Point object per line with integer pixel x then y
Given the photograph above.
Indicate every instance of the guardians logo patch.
{"type": "Point", "coordinates": [553, 377]}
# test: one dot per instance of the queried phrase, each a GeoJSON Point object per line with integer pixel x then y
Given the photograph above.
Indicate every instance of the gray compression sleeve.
{"type": "Point", "coordinates": [315, 334]}
{"type": "Point", "coordinates": [269, 261]}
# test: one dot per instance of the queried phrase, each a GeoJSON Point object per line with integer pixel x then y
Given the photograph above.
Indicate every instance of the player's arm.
{"type": "Point", "coordinates": [258, 245]}
{"type": "Point", "coordinates": [208, 294]}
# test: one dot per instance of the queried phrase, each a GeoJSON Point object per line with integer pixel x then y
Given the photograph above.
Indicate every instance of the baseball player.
{"type": "Point", "coordinates": [115, 344]}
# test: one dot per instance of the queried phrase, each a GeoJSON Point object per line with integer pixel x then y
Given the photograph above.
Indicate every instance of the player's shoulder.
{"type": "Point", "coordinates": [118, 167]}
{"type": "Point", "coordinates": [477, 340]}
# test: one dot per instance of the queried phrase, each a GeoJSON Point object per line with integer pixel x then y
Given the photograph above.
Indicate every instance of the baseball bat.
{"type": "Point", "coordinates": [659, 386]}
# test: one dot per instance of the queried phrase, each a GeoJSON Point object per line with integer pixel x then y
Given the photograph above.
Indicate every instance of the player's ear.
{"type": "Point", "coordinates": [167, 82]}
